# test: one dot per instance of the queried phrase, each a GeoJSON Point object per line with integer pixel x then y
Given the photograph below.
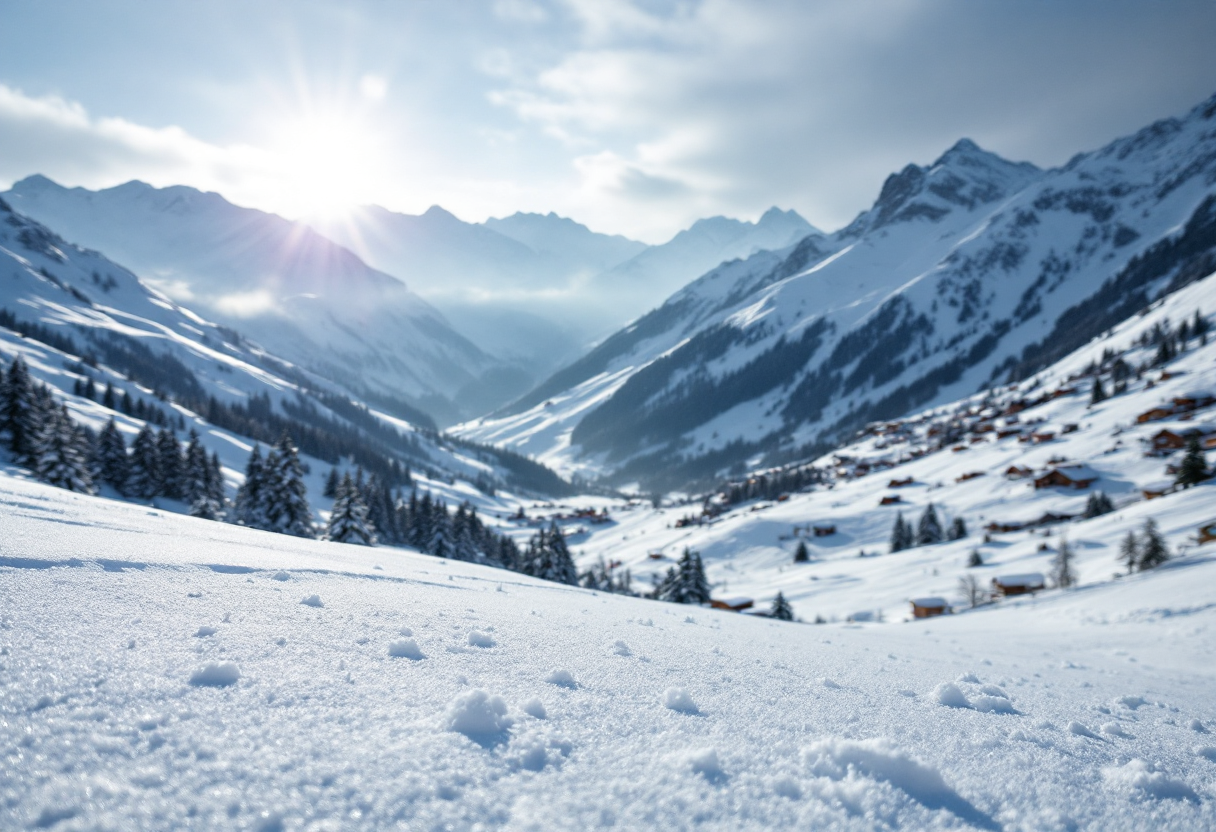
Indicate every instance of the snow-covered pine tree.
{"type": "Point", "coordinates": [1129, 552]}
{"type": "Point", "coordinates": [928, 529]}
{"type": "Point", "coordinates": [172, 465]}
{"type": "Point", "coordinates": [1097, 394]}
{"type": "Point", "coordinates": [974, 559]}
{"type": "Point", "coordinates": [561, 569]}
{"type": "Point", "coordinates": [144, 478]}
{"type": "Point", "coordinates": [112, 464]}
{"type": "Point", "coordinates": [215, 481]}
{"type": "Point", "coordinates": [196, 479]}
{"type": "Point", "coordinates": [247, 507]}
{"type": "Point", "coordinates": [958, 529]}
{"type": "Point", "coordinates": [62, 461]}
{"type": "Point", "coordinates": [348, 522]}
{"type": "Point", "coordinates": [781, 609]}
{"type": "Point", "coordinates": [801, 555]}
{"type": "Point", "coordinates": [1153, 549]}
{"type": "Point", "coordinates": [288, 511]}
{"type": "Point", "coordinates": [331, 485]}
{"type": "Point", "coordinates": [19, 413]}
{"type": "Point", "coordinates": [1194, 467]}
{"type": "Point", "coordinates": [1063, 574]}
{"type": "Point", "coordinates": [107, 398]}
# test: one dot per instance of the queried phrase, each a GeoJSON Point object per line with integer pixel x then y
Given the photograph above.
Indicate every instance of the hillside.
{"type": "Point", "coordinates": [965, 273]}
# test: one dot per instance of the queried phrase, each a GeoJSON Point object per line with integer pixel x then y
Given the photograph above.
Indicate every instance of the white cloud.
{"type": "Point", "coordinates": [373, 87]}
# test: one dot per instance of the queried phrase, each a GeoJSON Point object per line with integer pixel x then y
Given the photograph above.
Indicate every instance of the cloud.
{"type": "Point", "coordinates": [245, 304]}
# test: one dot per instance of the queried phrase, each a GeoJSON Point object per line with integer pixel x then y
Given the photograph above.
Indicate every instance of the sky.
{"type": "Point", "coordinates": [633, 116]}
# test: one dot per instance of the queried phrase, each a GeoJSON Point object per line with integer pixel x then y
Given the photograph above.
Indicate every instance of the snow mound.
{"type": "Point", "coordinates": [312, 601]}
{"type": "Point", "coordinates": [1080, 730]}
{"type": "Point", "coordinates": [215, 675]}
{"type": "Point", "coordinates": [405, 648]}
{"type": "Point", "coordinates": [405, 631]}
{"type": "Point", "coordinates": [1131, 702]}
{"type": "Point", "coordinates": [1208, 752]}
{"type": "Point", "coordinates": [534, 752]}
{"type": "Point", "coordinates": [561, 678]}
{"type": "Point", "coordinates": [478, 715]}
{"type": "Point", "coordinates": [1143, 779]}
{"type": "Point", "coordinates": [951, 695]}
{"type": "Point", "coordinates": [828, 683]}
{"type": "Point", "coordinates": [535, 708]}
{"type": "Point", "coordinates": [280, 576]}
{"type": "Point", "coordinates": [1196, 725]}
{"type": "Point", "coordinates": [705, 762]}
{"type": "Point", "coordinates": [993, 704]}
{"type": "Point", "coordinates": [620, 648]}
{"type": "Point", "coordinates": [479, 639]}
{"type": "Point", "coordinates": [877, 759]}
{"type": "Point", "coordinates": [679, 699]}
{"type": "Point", "coordinates": [1114, 729]}
{"type": "Point", "coordinates": [205, 631]}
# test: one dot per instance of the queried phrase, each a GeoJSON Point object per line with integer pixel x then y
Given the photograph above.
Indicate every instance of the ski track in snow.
{"type": "Point", "coordinates": [589, 710]}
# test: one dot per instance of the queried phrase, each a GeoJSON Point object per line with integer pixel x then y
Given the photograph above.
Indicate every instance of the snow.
{"type": "Point", "coordinates": [477, 638]}
{"type": "Point", "coordinates": [1143, 778]}
{"type": "Point", "coordinates": [477, 714]}
{"type": "Point", "coordinates": [405, 648]}
{"type": "Point", "coordinates": [312, 601]}
{"type": "Point", "coordinates": [679, 699]}
{"type": "Point", "coordinates": [215, 674]}
{"type": "Point", "coordinates": [561, 678]}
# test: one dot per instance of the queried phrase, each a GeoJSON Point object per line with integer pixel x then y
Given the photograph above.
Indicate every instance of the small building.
{"type": "Point", "coordinates": [969, 476]}
{"type": "Point", "coordinates": [890, 500]}
{"type": "Point", "coordinates": [1004, 528]}
{"type": "Point", "coordinates": [1071, 427]}
{"type": "Point", "coordinates": [1008, 586]}
{"type": "Point", "coordinates": [1207, 532]}
{"type": "Point", "coordinates": [929, 607]}
{"type": "Point", "coordinates": [1194, 399]}
{"type": "Point", "coordinates": [1067, 476]}
{"type": "Point", "coordinates": [1157, 489]}
{"type": "Point", "coordinates": [734, 603]}
{"type": "Point", "coordinates": [1155, 415]}
{"type": "Point", "coordinates": [1176, 437]}
{"type": "Point", "coordinates": [1018, 472]}
{"type": "Point", "coordinates": [1042, 436]}
{"type": "Point", "coordinates": [824, 531]}
{"type": "Point", "coordinates": [900, 483]}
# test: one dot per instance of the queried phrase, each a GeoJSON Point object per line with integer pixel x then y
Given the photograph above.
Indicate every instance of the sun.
{"type": "Point", "coordinates": [328, 163]}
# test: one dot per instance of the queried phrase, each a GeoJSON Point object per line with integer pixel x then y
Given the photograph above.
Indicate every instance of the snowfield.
{"type": "Point", "coordinates": [158, 672]}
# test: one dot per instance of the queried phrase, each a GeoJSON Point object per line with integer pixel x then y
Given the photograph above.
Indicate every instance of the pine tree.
{"type": "Point", "coordinates": [247, 508]}
{"type": "Point", "coordinates": [107, 398]}
{"type": "Point", "coordinates": [19, 413]}
{"type": "Point", "coordinates": [958, 529]}
{"type": "Point", "coordinates": [1097, 505]}
{"type": "Point", "coordinates": [928, 529]}
{"type": "Point", "coordinates": [1153, 548]}
{"type": "Point", "coordinates": [331, 485]}
{"type": "Point", "coordinates": [1097, 394]}
{"type": "Point", "coordinates": [286, 495]}
{"type": "Point", "coordinates": [974, 559]}
{"type": "Point", "coordinates": [172, 466]}
{"type": "Point", "coordinates": [440, 526]}
{"type": "Point", "coordinates": [90, 389]}
{"type": "Point", "coordinates": [690, 585]}
{"type": "Point", "coordinates": [1063, 575]}
{"type": "Point", "coordinates": [215, 481]}
{"type": "Point", "coordinates": [112, 464]}
{"type": "Point", "coordinates": [144, 480]}
{"type": "Point", "coordinates": [548, 558]}
{"type": "Point", "coordinates": [196, 479]}
{"type": "Point", "coordinates": [781, 609]}
{"type": "Point", "coordinates": [62, 461]}
{"type": "Point", "coordinates": [1129, 552]}
{"type": "Point", "coordinates": [801, 555]}
{"type": "Point", "coordinates": [1194, 467]}
{"type": "Point", "coordinates": [900, 534]}
{"type": "Point", "coordinates": [348, 521]}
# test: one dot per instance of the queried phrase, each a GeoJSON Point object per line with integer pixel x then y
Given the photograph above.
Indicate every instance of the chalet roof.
{"type": "Point", "coordinates": [1027, 579]}
{"type": "Point", "coordinates": [930, 601]}
{"type": "Point", "coordinates": [1076, 471]}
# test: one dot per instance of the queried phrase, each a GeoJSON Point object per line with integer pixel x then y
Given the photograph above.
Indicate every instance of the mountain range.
{"type": "Point", "coordinates": [967, 272]}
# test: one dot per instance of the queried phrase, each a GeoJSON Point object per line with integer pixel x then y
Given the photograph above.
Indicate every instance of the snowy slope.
{"type": "Point", "coordinates": [748, 550]}
{"type": "Point", "coordinates": [106, 311]}
{"type": "Point", "coordinates": [308, 300]}
{"type": "Point", "coordinates": [161, 672]}
{"type": "Point", "coordinates": [963, 273]}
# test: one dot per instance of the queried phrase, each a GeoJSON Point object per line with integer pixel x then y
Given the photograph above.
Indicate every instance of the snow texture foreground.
{"type": "Point", "coordinates": [375, 711]}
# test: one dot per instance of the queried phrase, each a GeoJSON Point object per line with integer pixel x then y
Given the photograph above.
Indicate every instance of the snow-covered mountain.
{"type": "Point", "coordinates": [572, 246]}
{"type": "Point", "coordinates": [304, 298]}
{"type": "Point", "coordinates": [964, 273]}
{"type": "Point", "coordinates": [88, 322]}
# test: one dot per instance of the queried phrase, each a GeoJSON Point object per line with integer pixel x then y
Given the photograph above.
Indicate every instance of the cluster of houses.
{"type": "Point", "coordinates": [1003, 586]}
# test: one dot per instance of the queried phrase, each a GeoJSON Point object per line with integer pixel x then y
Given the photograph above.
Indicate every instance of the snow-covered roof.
{"type": "Point", "coordinates": [930, 601]}
{"type": "Point", "coordinates": [1027, 579]}
{"type": "Point", "coordinates": [1077, 471]}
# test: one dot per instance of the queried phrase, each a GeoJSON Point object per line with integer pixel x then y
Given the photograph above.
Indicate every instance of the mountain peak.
{"type": "Point", "coordinates": [36, 181]}
{"type": "Point", "coordinates": [436, 212]}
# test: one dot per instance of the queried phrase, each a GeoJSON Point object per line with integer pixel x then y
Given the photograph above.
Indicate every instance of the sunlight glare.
{"type": "Point", "coordinates": [329, 163]}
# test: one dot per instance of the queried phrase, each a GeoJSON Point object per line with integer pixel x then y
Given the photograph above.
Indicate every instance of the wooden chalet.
{"type": "Point", "coordinates": [1067, 476]}
{"type": "Point", "coordinates": [1155, 415]}
{"type": "Point", "coordinates": [1175, 438]}
{"type": "Point", "coordinates": [1018, 472]}
{"type": "Point", "coordinates": [824, 531]}
{"type": "Point", "coordinates": [1207, 532]}
{"type": "Point", "coordinates": [890, 500]}
{"type": "Point", "coordinates": [736, 603]}
{"type": "Point", "coordinates": [1008, 586]}
{"type": "Point", "coordinates": [969, 476]}
{"type": "Point", "coordinates": [929, 607]}
{"type": "Point", "coordinates": [900, 483]}
{"type": "Point", "coordinates": [1158, 489]}
{"type": "Point", "coordinates": [1042, 436]}
{"type": "Point", "coordinates": [1194, 399]}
